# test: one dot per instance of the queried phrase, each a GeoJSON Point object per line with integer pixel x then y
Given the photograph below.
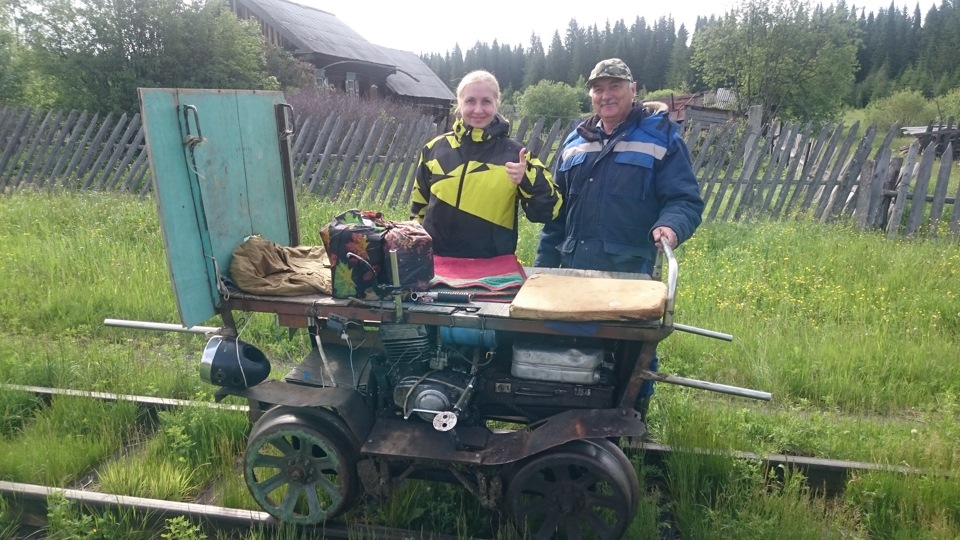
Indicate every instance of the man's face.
{"type": "Point", "coordinates": [612, 99]}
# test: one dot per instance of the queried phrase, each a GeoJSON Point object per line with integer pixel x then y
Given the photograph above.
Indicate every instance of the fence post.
{"type": "Point", "coordinates": [899, 204]}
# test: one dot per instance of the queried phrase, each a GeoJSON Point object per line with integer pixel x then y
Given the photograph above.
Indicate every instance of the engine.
{"type": "Point", "coordinates": [447, 375]}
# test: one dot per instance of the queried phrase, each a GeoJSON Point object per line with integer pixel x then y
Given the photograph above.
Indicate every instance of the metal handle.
{"type": "Point", "coordinates": [191, 140]}
{"type": "Point", "coordinates": [673, 271]}
{"type": "Point", "coordinates": [289, 122]}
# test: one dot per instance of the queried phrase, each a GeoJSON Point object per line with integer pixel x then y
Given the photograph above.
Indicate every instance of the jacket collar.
{"type": "Point", "coordinates": [500, 127]}
{"type": "Point", "coordinates": [590, 129]}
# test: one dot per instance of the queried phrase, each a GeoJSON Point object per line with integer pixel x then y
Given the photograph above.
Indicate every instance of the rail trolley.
{"type": "Point", "coordinates": [522, 408]}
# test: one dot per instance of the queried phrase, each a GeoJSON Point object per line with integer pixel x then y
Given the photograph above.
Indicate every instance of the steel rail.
{"type": "Point", "coordinates": [33, 499]}
{"type": "Point", "coordinates": [826, 475]}
{"type": "Point", "coordinates": [148, 402]}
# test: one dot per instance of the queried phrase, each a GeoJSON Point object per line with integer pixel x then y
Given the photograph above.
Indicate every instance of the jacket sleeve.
{"type": "Point", "coordinates": [539, 197]}
{"type": "Point", "coordinates": [554, 230]}
{"type": "Point", "coordinates": [421, 191]}
{"type": "Point", "coordinates": [678, 192]}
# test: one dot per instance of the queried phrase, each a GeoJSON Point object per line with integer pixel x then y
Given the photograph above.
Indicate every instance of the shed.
{"type": "Point", "coordinates": [691, 108]}
{"type": "Point", "coordinates": [942, 135]}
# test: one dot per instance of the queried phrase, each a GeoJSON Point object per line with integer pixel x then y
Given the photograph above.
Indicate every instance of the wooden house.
{"type": "Point", "coordinates": [344, 59]}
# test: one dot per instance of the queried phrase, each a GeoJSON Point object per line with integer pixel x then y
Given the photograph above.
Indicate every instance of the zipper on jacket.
{"type": "Point", "coordinates": [463, 175]}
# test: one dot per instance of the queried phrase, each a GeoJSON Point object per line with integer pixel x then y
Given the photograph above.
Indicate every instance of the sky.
{"type": "Point", "coordinates": [426, 27]}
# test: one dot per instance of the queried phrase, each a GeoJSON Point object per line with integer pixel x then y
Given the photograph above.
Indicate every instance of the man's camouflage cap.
{"type": "Point", "coordinates": [613, 68]}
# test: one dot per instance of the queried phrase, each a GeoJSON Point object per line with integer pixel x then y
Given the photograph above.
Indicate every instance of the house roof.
{"type": "Point", "coordinates": [314, 30]}
{"type": "Point", "coordinates": [409, 65]}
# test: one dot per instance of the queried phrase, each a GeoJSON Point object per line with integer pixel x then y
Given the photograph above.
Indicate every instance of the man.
{"type": "Point", "coordinates": [627, 186]}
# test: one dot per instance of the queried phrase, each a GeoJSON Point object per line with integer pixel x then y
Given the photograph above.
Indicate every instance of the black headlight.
{"type": "Point", "coordinates": [232, 363]}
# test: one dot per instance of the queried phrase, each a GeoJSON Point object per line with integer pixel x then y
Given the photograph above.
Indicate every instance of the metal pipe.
{"type": "Point", "coordinates": [703, 332]}
{"type": "Point", "coordinates": [705, 385]}
{"type": "Point", "coordinates": [397, 296]}
{"type": "Point", "coordinates": [166, 327]}
{"type": "Point", "coordinates": [442, 296]}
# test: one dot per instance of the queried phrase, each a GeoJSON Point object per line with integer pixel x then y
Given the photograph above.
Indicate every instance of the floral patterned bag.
{"type": "Point", "coordinates": [354, 244]}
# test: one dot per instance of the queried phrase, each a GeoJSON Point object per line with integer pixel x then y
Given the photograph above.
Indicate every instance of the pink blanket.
{"type": "Point", "coordinates": [503, 273]}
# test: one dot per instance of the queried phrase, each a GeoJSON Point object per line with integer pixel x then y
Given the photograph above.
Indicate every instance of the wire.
{"type": "Point", "coordinates": [353, 374]}
{"type": "Point", "coordinates": [236, 345]}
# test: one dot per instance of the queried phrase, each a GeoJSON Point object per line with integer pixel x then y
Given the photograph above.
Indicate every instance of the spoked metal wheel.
{"type": "Point", "coordinates": [576, 491]}
{"type": "Point", "coordinates": [299, 466]}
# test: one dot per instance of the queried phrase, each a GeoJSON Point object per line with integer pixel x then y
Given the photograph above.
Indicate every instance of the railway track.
{"type": "Point", "coordinates": [31, 505]}
{"type": "Point", "coordinates": [823, 475]}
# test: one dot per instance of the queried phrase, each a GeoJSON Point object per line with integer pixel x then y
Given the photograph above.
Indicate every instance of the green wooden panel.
{"type": "Point", "coordinates": [218, 178]}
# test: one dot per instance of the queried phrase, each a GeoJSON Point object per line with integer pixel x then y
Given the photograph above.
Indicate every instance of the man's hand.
{"type": "Point", "coordinates": [515, 171]}
{"type": "Point", "coordinates": [664, 234]}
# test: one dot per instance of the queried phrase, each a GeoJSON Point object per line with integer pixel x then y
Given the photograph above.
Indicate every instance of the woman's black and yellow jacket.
{"type": "Point", "coordinates": [464, 198]}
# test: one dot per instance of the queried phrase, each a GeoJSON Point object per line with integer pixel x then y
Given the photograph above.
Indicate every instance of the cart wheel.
{"type": "Point", "coordinates": [299, 467]}
{"type": "Point", "coordinates": [579, 490]}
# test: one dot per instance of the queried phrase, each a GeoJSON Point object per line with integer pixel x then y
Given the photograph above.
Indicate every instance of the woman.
{"type": "Point", "coordinates": [470, 180]}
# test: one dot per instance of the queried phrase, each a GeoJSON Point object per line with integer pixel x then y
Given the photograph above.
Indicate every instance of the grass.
{"type": "Point", "coordinates": [65, 440]}
{"type": "Point", "coordinates": [853, 333]}
{"type": "Point", "coordinates": [191, 447]}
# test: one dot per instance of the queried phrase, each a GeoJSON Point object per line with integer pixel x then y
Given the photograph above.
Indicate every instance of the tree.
{"type": "Point", "coordinates": [939, 45]}
{"type": "Point", "coordinates": [536, 62]}
{"type": "Point", "coordinates": [575, 45]}
{"type": "Point", "coordinates": [10, 74]}
{"type": "Point", "coordinates": [293, 74]}
{"type": "Point", "coordinates": [457, 69]}
{"type": "Point", "coordinates": [95, 53]}
{"type": "Point", "coordinates": [794, 62]}
{"type": "Point", "coordinates": [557, 59]}
{"type": "Point", "coordinates": [553, 100]}
{"type": "Point", "coordinates": [678, 72]}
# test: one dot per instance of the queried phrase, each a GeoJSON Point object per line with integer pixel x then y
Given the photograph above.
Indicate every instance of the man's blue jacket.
{"type": "Point", "coordinates": [616, 189]}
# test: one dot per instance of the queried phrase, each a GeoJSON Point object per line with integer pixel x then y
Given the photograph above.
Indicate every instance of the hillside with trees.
{"type": "Point", "coordinates": [796, 59]}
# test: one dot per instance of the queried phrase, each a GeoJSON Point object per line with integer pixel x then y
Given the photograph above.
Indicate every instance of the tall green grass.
{"type": "Point", "coordinates": [853, 333]}
{"type": "Point", "coordinates": [65, 440]}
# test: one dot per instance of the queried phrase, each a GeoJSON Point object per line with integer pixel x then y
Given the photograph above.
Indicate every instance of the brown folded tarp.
{"type": "Point", "coordinates": [260, 266]}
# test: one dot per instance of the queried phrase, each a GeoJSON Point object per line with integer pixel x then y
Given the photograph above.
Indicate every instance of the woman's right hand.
{"type": "Point", "coordinates": [515, 170]}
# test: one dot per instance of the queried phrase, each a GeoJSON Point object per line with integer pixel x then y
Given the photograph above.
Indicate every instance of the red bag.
{"type": "Point", "coordinates": [414, 249]}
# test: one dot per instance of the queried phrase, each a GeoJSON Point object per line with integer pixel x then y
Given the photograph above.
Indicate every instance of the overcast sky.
{"type": "Point", "coordinates": [425, 27]}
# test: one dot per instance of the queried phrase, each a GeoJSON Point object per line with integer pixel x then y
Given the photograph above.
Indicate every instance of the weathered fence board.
{"type": "Point", "coordinates": [940, 190]}
{"type": "Point", "coordinates": [745, 173]}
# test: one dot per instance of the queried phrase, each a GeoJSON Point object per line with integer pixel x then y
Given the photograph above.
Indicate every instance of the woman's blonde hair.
{"type": "Point", "coordinates": [477, 76]}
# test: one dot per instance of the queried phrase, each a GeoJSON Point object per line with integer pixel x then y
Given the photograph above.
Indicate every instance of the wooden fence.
{"type": "Point", "coordinates": [746, 173]}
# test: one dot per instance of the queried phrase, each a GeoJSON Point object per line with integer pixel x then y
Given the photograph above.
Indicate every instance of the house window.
{"type": "Point", "coordinates": [321, 77]}
{"type": "Point", "coordinates": [351, 84]}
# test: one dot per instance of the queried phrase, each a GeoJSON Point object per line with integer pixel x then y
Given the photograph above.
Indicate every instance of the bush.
{"type": "Point", "coordinates": [949, 106]}
{"type": "Point", "coordinates": [658, 95]}
{"type": "Point", "coordinates": [552, 100]}
{"type": "Point", "coordinates": [904, 108]}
